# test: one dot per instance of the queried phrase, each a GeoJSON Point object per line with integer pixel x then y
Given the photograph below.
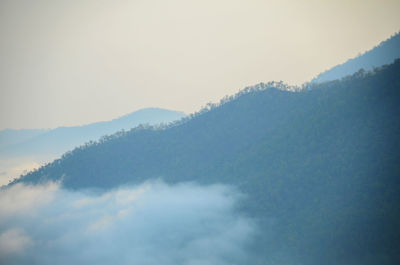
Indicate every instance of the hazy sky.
{"type": "Point", "coordinates": [77, 62]}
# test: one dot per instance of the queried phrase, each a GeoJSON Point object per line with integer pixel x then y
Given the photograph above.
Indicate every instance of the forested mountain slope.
{"type": "Point", "coordinates": [385, 53]}
{"type": "Point", "coordinates": [22, 150]}
{"type": "Point", "coordinates": [320, 167]}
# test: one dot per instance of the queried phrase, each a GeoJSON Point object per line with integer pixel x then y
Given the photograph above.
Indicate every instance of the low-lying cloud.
{"type": "Point", "coordinates": [153, 223]}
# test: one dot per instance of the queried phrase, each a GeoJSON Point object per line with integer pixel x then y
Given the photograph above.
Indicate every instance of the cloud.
{"type": "Point", "coordinates": [153, 223]}
{"type": "Point", "coordinates": [25, 200]}
{"type": "Point", "coordinates": [13, 241]}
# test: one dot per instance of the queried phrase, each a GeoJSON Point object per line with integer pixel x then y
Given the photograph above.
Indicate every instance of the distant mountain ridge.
{"type": "Point", "coordinates": [62, 139]}
{"type": "Point", "coordinates": [10, 137]}
{"type": "Point", "coordinates": [23, 150]}
{"type": "Point", "coordinates": [385, 53]}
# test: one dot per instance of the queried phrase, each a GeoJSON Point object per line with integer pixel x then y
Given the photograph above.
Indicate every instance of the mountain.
{"type": "Point", "coordinates": [320, 167]}
{"type": "Point", "coordinates": [385, 53]}
{"type": "Point", "coordinates": [62, 139]}
{"type": "Point", "coordinates": [23, 149]}
{"type": "Point", "coordinates": [11, 137]}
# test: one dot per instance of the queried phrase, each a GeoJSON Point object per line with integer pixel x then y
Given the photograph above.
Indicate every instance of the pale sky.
{"type": "Point", "coordinates": [65, 63]}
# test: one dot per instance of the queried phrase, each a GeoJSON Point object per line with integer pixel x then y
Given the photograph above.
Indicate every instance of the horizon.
{"type": "Point", "coordinates": [60, 58]}
{"type": "Point", "coordinates": [185, 113]}
{"type": "Point", "coordinates": [86, 124]}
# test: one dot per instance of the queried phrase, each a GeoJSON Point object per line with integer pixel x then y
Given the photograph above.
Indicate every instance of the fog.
{"type": "Point", "coordinates": [153, 223]}
{"type": "Point", "coordinates": [11, 168]}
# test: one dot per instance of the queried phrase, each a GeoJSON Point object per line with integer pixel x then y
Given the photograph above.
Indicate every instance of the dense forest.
{"type": "Point", "coordinates": [319, 166]}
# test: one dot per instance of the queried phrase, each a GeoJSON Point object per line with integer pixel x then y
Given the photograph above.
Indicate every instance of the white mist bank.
{"type": "Point", "coordinates": [153, 223]}
{"type": "Point", "coordinates": [14, 168]}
